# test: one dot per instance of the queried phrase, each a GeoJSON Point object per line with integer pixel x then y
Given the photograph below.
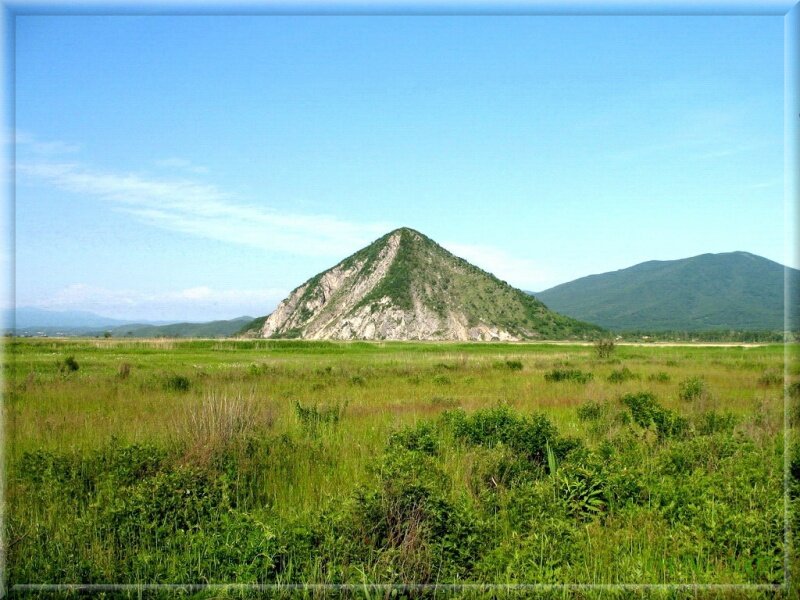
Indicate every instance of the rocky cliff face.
{"type": "Point", "coordinates": [404, 286]}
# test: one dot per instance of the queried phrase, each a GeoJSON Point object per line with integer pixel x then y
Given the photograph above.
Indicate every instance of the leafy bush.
{"type": "Point", "coordinates": [622, 375]}
{"type": "Point", "coordinates": [712, 422]}
{"type": "Point", "coordinates": [441, 379]}
{"type": "Point", "coordinates": [542, 554]}
{"type": "Point", "coordinates": [68, 365]}
{"type": "Point", "coordinates": [409, 517]}
{"type": "Point", "coordinates": [79, 474]}
{"type": "Point", "coordinates": [255, 369]}
{"type": "Point", "coordinates": [422, 438]}
{"type": "Point", "coordinates": [529, 436]}
{"type": "Point", "coordinates": [575, 375]}
{"type": "Point", "coordinates": [124, 370]}
{"type": "Point", "coordinates": [604, 347]}
{"type": "Point", "coordinates": [314, 415]}
{"type": "Point", "coordinates": [692, 388]}
{"type": "Point", "coordinates": [581, 489]}
{"type": "Point", "coordinates": [702, 452]}
{"type": "Point", "coordinates": [177, 383]}
{"type": "Point", "coordinates": [646, 412]}
{"type": "Point", "coordinates": [514, 365]}
{"type": "Point", "coordinates": [660, 377]}
{"type": "Point", "coordinates": [770, 378]}
{"type": "Point", "coordinates": [591, 411]}
{"type": "Point", "coordinates": [492, 470]}
{"type": "Point", "coordinates": [162, 505]}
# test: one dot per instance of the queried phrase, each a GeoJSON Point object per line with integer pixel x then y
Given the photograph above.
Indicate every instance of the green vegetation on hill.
{"type": "Point", "coordinates": [729, 291]}
{"type": "Point", "coordinates": [211, 329]}
{"type": "Point", "coordinates": [445, 282]}
{"type": "Point", "coordinates": [424, 274]}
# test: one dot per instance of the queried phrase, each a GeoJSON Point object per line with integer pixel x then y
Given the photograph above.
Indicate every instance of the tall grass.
{"type": "Point", "coordinates": [302, 462]}
{"type": "Point", "coordinates": [216, 424]}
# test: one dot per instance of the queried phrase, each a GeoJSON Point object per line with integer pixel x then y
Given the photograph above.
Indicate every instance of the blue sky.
{"type": "Point", "coordinates": [202, 167]}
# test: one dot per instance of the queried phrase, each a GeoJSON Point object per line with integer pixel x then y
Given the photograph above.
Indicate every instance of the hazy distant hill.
{"type": "Point", "coordinates": [733, 290]}
{"type": "Point", "coordinates": [35, 321]}
{"type": "Point", "coordinates": [405, 286]}
{"type": "Point", "coordinates": [30, 317]}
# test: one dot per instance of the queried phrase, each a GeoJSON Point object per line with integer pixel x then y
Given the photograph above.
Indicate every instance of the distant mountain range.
{"type": "Point", "coordinates": [405, 286]}
{"type": "Point", "coordinates": [35, 321]}
{"type": "Point", "coordinates": [732, 290]}
{"type": "Point", "coordinates": [27, 317]}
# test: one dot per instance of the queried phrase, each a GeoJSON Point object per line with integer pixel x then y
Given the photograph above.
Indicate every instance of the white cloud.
{"type": "Point", "coordinates": [204, 210]}
{"type": "Point", "coordinates": [180, 164]}
{"type": "Point", "coordinates": [766, 184]}
{"type": "Point", "coordinates": [520, 272]}
{"type": "Point", "coordinates": [46, 148]}
{"type": "Point", "coordinates": [196, 303]}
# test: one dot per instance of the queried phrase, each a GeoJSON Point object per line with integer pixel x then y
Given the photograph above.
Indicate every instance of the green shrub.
{"type": "Point", "coordinates": [514, 365]}
{"type": "Point", "coordinates": [422, 438]}
{"type": "Point", "coordinates": [177, 383]}
{"type": "Point", "coordinates": [660, 377]}
{"type": "Point", "coordinates": [692, 388]}
{"type": "Point", "coordinates": [604, 347]}
{"type": "Point", "coordinates": [591, 411]}
{"type": "Point", "coordinates": [78, 475]}
{"type": "Point", "coordinates": [124, 370]}
{"type": "Point", "coordinates": [357, 380]}
{"type": "Point", "coordinates": [544, 553]}
{"type": "Point", "coordinates": [410, 518]}
{"type": "Point", "coordinates": [68, 365]}
{"type": "Point", "coordinates": [712, 422]}
{"type": "Point", "coordinates": [575, 375]}
{"type": "Point", "coordinates": [528, 435]}
{"type": "Point", "coordinates": [582, 490]}
{"type": "Point", "coordinates": [312, 416]}
{"type": "Point", "coordinates": [441, 380]}
{"type": "Point", "coordinates": [646, 412]}
{"type": "Point", "coordinates": [254, 370]}
{"type": "Point", "coordinates": [770, 378]}
{"type": "Point", "coordinates": [622, 375]}
{"type": "Point", "coordinates": [498, 469]}
{"type": "Point", "coordinates": [702, 452]}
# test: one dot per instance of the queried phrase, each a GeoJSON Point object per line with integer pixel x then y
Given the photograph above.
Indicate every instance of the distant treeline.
{"type": "Point", "coordinates": [710, 336]}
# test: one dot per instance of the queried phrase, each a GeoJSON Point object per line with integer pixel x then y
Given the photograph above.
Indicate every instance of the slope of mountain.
{"type": "Point", "coordinates": [732, 290]}
{"type": "Point", "coordinates": [405, 286]}
{"type": "Point", "coordinates": [211, 329]}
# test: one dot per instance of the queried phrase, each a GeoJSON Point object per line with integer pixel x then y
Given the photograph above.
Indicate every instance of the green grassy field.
{"type": "Point", "coordinates": [326, 463]}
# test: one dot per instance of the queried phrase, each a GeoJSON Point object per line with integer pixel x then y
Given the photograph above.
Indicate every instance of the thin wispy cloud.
{"type": "Point", "coordinates": [181, 164]}
{"type": "Point", "coordinates": [760, 185]}
{"type": "Point", "coordinates": [186, 205]}
{"type": "Point", "coordinates": [30, 142]}
{"type": "Point", "coordinates": [205, 210]}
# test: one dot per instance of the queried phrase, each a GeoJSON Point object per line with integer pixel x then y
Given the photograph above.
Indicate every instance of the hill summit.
{"type": "Point", "coordinates": [404, 286]}
{"type": "Point", "coordinates": [731, 290]}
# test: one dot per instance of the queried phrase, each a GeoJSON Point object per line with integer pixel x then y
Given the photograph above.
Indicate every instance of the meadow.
{"type": "Point", "coordinates": [290, 462]}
